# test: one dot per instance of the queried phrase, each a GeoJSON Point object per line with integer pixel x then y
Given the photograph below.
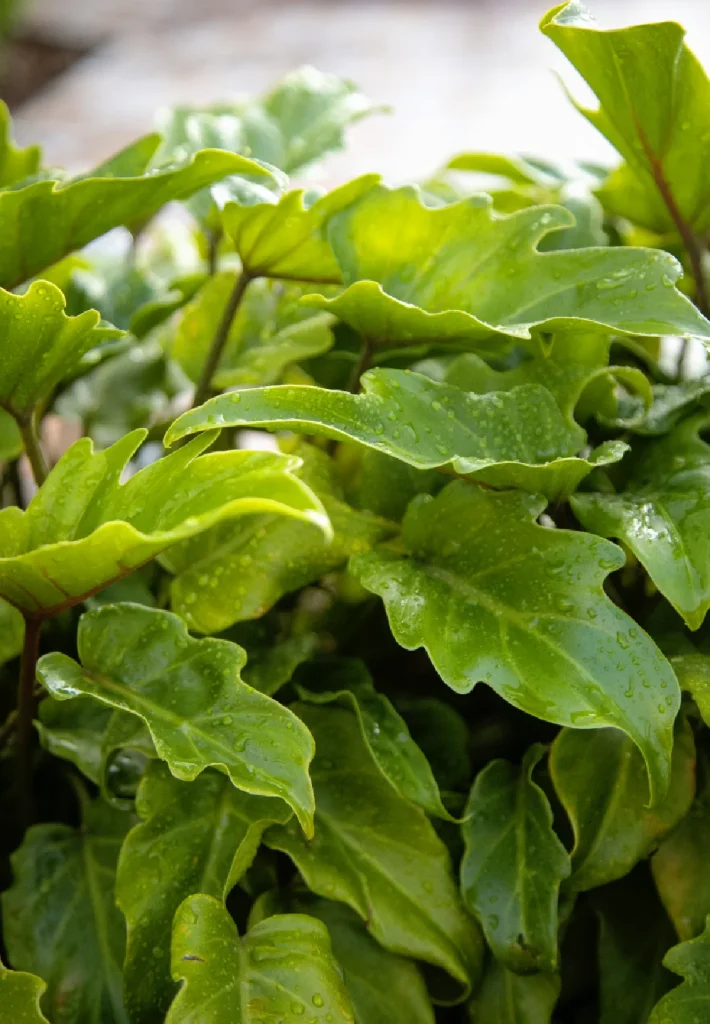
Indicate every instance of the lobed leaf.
{"type": "Point", "coordinates": [20, 994]}
{"type": "Point", "coordinates": [687, 1003]}
{"type": "Point", "coordinates": [15, 163]}
{"type": "Point", "coordinates": [190, 695]}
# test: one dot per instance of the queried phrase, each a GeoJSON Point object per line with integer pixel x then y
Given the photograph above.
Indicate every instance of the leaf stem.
{"type": "Point", "coordinates": [30, 440]}
{"type": "Point", "coordinates": [362, 364]}
{"type": "Point", "coordinates": [26, 712]}
{"type": "Point", "coordinates": [202, 391]}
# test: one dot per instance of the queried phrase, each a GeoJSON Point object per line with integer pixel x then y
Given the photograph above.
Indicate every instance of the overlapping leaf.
{"type": "Point", "coordinates": [83, 529]}
{"type": "Point", "coordinates": [196, 837]}
{"type": "Point", "coordinates": [282, 968]}
{"type": "Point", "coordinates": [376, 852]}
{"type": "Point", "coordinates": [60, 920]}
{"type": "Point", "coordinates": [663, 515]}
{"type": "Point", "coordinates": [600, 779]}
{"type": "Point", "coordinates": [496, 598]}
{"type": "Point", "coordinates": [687, 1004]}
{"type": "Point", "coordinates": [190, 695]}
{"type": "Point", "coordinates": [461, 273]}
{"type": "Point", "coordinates": [518, 438]}
{"type": "Point", "coordinates": [20, 994]}
{"type": "Point", "coordinates": [513, 865]}
{"type": "Point", "coordinates": [508, 998]}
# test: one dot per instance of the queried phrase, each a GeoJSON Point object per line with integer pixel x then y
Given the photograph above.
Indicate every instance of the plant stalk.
{"type": "Point", "coordinates": [202, 391]}
{"type": "Point", "coordinates": [361, 365]}
{"type": "Point", "coordinates": [30, 440]}
{"type": "Point", "coordinates": [26, 713]}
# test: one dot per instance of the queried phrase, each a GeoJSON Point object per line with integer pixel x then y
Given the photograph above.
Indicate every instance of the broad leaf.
{"type": "Point", "coordinates": [15, 163]}
{"type": "Point", "coordinates": [508, 998]}
{"type": "Point", "coordinates": [376, 852]}
{"type": "Point", "coordinates": [190, 695]}
{"type": "Point", "coordinates": [513, 865]}
{"type": "Point", "coordinates": [41, 345]}
{"type": "Point", "coordinates": [654, 98]}
{"type": "Point", "coordinates": [238, 571]}
{"type": "Point", "coordinates": [663, 516]}
{"type": "Point", "coordinates": [196, 837]}
{"type": "Point", "coordinates": [687, 1004]}
{"type": "Point", "coordinates": [493, 597]}
{"type": "Point", "coordinates": [283, 968]}
{"type": "Point", "coordinates": [444, 737]}
{"type": "Point", "coordinates": [84, 529]}
{"type": "Point", "coordinates": [385, 732]}
{"type": "Point", "coordinates": [12, 631]}
{"type": "Point", "coordinates": [20, 994]}
{"type": "Point", "coordinates": [285, 237]}
{"type": "Point", "coordinates": [269, 332]}
{"type": "Point", "coordinates": [600, 779]}
{"type": "Point", "coordinates": [461, 273]}
{"type": "Point", "coordinates": [509, 439]}
{"type": "Point", "coordinates": [46, 220]}
{"type": "Point", "coordinates": [60, 919]}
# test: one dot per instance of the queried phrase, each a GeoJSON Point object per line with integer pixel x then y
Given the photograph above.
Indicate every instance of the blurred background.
{"type": "Point", "coordinates": [84, 77]}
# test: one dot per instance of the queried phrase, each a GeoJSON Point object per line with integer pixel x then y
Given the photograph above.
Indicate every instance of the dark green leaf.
{"type": "Point", "coordinates": [687, 1004]}
{"type": "Point", "coordinates": [190, 695]}
{"type": "Point", "coordinates": [20, 994]}
{"type": "Point", "coordinates": [196, 837]}
{"type": "Point", "coordinates": [443, 735]}
{"type": "Point", "coordinates": [376, 852]}
{"type": "Point", "coordinates": [496, 598]}
{"type": "Point", "coordinates": [508, 998]}
{"type": "Point", "coordinates": [600, 779]}
{"type": "Point", "coordinates": [513, 865]}
{"type": "Point", "coordinates": [282, 969]}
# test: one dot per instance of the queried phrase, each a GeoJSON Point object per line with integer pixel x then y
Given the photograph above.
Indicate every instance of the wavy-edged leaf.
{"type": "Point", "coordinates": [46, 220]}
{"type": "Point", "coordinates": [671, 402]}
{"type": "Point", "coordinates": [282, 969]}
{"type": "Point", "coordinates": [462, 273]}
{"type": "Point", "coordinates": [654, 103]}
{"type": "Point", "coordinates": [600, 780]}
{"type": "Point", "coordinates": [84, 529]}
{"type": "Point", "coordinates": [505, 439]}
{"type": "Point", "coordinates": [376, 852]}
{"type": "Point", "coordinates": [190, 695]}
{"type": "Point", "coordinates": [508, 998]}
{"type": "Point", "coordinates": [60, 920]}
{"type": "Point", "coordinates": [238, 571]}
{"type": "Point", "coordinates": [12, 632]}
{"type": "Point", "coordinates": [663, 516]}
{"type": "Point", "coordinates": [20, 994]}
{"type": "Point", "coordinates": [513, 865]}
{"type": "Point", "coordinates": [347, 682]}
{"type": "Point", "coordinates": [493, 597]}
{"type": "Point", "coordinates": [687, 1004]}
{"type": "Point", "coordinates": [15, 163]}
{"type": "Point", "coordinates": [195, 837]}
{"type": "Point", "coordinates": [41, 344]}
{"type": "Point", "coordinates": [272, 657]}
{"type": "Point", "coordinates": [286, 237]}
{"type": "Point", "coordinates": [269, 332]}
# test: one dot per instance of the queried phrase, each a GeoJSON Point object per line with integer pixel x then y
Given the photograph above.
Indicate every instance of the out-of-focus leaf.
{"type": "Point", "coordinates": [12, 631]}
{"type": "Point", "coordinates": [686, 1004]}
{"type": "Point", "coordinates": [693, 672]}
{"type": "Point", "coordinates": [493, 597]}
{"type": "Point", "coordinates": [10, 439]}
{"type": "Point", "coordinates": [195, 837]}
{"type": "Point", "coordinates": [190, 695]}
{"type": "Point", "coordinates": [443, 735]}
{"type": "Point", "coordinates": [599, 777]}
{"type": "Point", "coordinates": [15, 163]}
{"type": "Point", "coordinates": [284, 962]}
{"type": "Point", "coordinates": [20, 994]}
{"type": "Point", "coordinates": [508, 998]}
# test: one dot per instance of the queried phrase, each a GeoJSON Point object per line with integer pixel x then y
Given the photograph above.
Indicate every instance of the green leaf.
{"type": "Point", "coordinates": [443, 735]}
{"type": "Point", "coordinates": [461, 273]}
{"type": "Point", "coordinates": [190, 695]}
{"type": "Point", "coordinates": [12, 632]}
{"type": "Point", "coordinates": [653, 107]}
{"type": "Point", "coordinates": [84, 529]}
{"type": "Point", "coordinates": [285, 237]}
{"type": "Point", "coordinates": [599, 777]}
{"type": "Point", "coordinates": [513, 865]}
{"type": "Point", "coordinates": [493, 597]}
{"type": "Point", "coordinates": [269, 332]}
{"type": "Point", "coordinates": [15, 164]}
{"type": "Point", "coordinates": [239, 571]}
{"type": "Point", "coordinates": [46, 220]}
{"type": "Point", "coordinates": [383, 988]}
{"type": "Point", "coordinates": [671, 402]}
{"type": "Point", "coordinates": [509, 439]}
{"type": "Point", "coordinates": [508, 998]}
{"type": "Point", "coordinates": [687, 1004]}
{"type": "Point", "coordinates": [282, 969]}
{"type": "Point", "coordinates": [663, 516]}
{"type": "Point", "coordinates": [376, 852]}
{"type": "Point", "coordinates": [41, 344]}
{"type": "Point", "coordinates": [20, 994]}
{"type": "Point", "coordinates": [196, 837]}
{"type": "Point", "coordinates": [60, 920]}
{"type": "Point", "coordinates": [272, 663]}
{"type": "Point", "coordinates": [634, 936]}
{"type": "Point", "coordinates": [693, 672]}
{"type": "Point", "coordinates": [385, 732]}
{"type": "Point", "coordinates": [10, 439]}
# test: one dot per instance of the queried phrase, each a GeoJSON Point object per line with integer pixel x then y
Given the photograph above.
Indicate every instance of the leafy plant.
{"type": "Point", "coordinates": [392, 707]}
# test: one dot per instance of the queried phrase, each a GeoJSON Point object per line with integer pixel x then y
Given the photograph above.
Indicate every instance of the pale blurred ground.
{"type": "Point", "coordinates": [459, 75]}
